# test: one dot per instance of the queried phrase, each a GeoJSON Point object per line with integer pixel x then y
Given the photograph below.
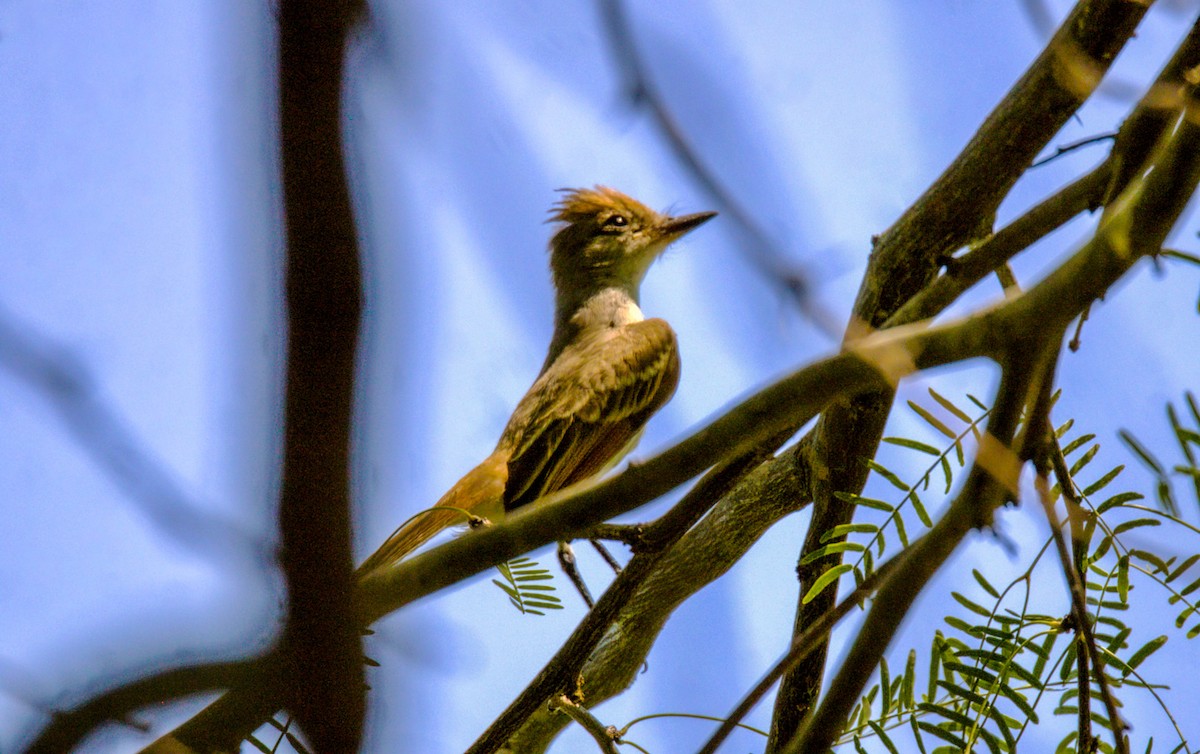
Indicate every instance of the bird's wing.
{"type": "Point", "coordinates": [588, 407]}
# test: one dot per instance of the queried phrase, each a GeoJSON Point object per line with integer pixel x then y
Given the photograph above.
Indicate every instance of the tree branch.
{"type": "Point", "coordinates": [763, 253]}
{"type": "Point", "coordinates": [68, 729]}
{"type": "Point", "coordinates": [959, 207]}
{"type": "Point", "coordinates": [560, 675]}
{"type": "Point", "coordinates": [321, 639]}
{"type": "Point", "coordinates": [1083, 625]}
{"type": "Point", "coordinates": [990, 483]}
{"type": "Point", "coordinates": [1135, 225]}
{"type": "Point", "coordinates": [105, 435]}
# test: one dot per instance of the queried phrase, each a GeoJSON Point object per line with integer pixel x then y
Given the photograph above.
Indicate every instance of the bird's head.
{"type": "Point", "coordinates": [610, 239]}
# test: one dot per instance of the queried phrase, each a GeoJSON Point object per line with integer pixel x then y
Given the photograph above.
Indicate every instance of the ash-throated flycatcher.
{"type": "Point", "coordinates": [608, 370]}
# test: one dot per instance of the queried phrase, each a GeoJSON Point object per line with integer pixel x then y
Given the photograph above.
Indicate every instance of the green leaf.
{"type": "Point", "coordinates": [942, 733]}
{"type": "Point", "coordinates": [935, 659]}
{"type": "Point", "coordinates": [946, 473]}
{"type": "Point", "coordinates": [919, 508]}
{"type": "Point", "coordinates": [983, 582]}
{"type": "Point", "coordinates": [885, 682]}
{"type": "Point", "coordinates": [828, 577]}
{"type": "Point", "coordinates": [960, 624]}
{"type": "Point", "coordinates": [1156, 563]}
{"type": "Point", "coordinates": [961, 692]}
{"type": "Point", "coordinates": [887, 474]}
{"type": "Point", "coordinates": [833, 548]}
{"type": "Point", "coordinates": [1183, 616]}
{"type": "Point", "coordinates": [1085, 459]}
{"type": "Point", "coordinates": [903, 535]}
{"type": "Point", "coordinates": [842, 530]}
{"type": "Point", "coordinates": [916, 730]}
{"type": "Point", "coordinates": [507, 589]}
{"type": "Point", "coordinates": [1123, 578]}
{"type": "Point", "coordinates": [990, 739]}
{"type": "Point", "coordinates": [1101, 549]}
{"type": "Point", "coordinates": [904, 442]}
{"type": "Point", "coordinates": [544, 576]}
{"type": "Point", "coordinates": [1141, 452]}
{"type": "Point", "coordinates": [1135, 524]}
{"type": "Point", "coordinates": [1120, 499]}
{"type": "Point", "coordinates": [1043, 657]}
{"type": "Point", "coordinates": [1102, 482]}
{"type": "Point", "coordinates": [1117, 642]}
{"type": "Point", "coordinates": [557, 605]}
{"type": "Point", "coordinates": [879, 505]}
{"type": "Point", "coordinates": [1074, 445]}
{"type": "Point", "coordinates": [1145, 651]}
{"type": "Point", "coordinates": [932, 420]}
{"type": "Point", "coordinates": [1066, 746]}
{"type": "Point", "coordinates": [973, 607]}
{"type": "Point", "coordinates": [970, 671]}
{"type": "Point", "coordinates": [946, 404]}
{"type": "Point", "coordinates": [1183, 567]}
{"type": "Point", "coordinates": [910, 677]}
{"type": "Point", "coordinates": [1019, 700]}
{"type": "Point", "coordinates": [883, 737]}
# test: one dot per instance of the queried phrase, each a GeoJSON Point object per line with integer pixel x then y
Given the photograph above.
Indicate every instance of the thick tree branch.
{"type": "Point", "coordinates": [1081, 195]}
{"type": "Point", "coordinates": [321, 640]}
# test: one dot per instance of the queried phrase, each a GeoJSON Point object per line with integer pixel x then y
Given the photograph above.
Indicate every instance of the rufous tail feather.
{"type": "Point", "coordinates": [479, 493]}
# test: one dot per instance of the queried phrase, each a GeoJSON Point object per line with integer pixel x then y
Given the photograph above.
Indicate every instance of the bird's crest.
{"type": "Point", "coordinates": [586, 203]}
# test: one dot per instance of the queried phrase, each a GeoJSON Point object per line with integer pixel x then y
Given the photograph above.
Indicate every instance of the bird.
{"type": "Point", "coordinates": [607, 371]}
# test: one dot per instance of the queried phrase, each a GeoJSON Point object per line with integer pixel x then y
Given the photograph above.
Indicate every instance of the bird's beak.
{"type": "Point", "coordinates": [677, 226]}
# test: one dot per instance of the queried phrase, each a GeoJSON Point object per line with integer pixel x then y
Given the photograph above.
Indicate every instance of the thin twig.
{"type": "Point", "coordinates": [1083, 624]}
{"type": "Point", "coordinates": [1075, 342]}
{"type": "Point", "coordinates": [764, 253]}
{"type": "Point", "coordinates": [1068, 148]}
{"type": "Point", "coordinates": [599, 547]}
{"type": "Point", "coordinates": [566, 560]}
{"type": "Point", "coordinates": [604, 736]}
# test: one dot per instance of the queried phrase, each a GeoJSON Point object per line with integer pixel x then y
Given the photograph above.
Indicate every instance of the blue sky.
{"type": "Point", "coordinates": [139, 228]}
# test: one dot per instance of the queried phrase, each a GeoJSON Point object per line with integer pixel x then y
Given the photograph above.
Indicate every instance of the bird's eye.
{"type": "Point", "coordinates": [614, 224]}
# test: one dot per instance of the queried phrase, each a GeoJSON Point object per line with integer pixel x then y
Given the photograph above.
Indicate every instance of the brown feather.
{"type": "Point", "coordinates": [480, 491]}
{"type": "Point", "coordinates": [588, 407]}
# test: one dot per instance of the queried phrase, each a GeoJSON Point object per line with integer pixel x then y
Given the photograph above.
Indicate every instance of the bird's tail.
{"type": "Point", "coordinates": [480, 493]}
